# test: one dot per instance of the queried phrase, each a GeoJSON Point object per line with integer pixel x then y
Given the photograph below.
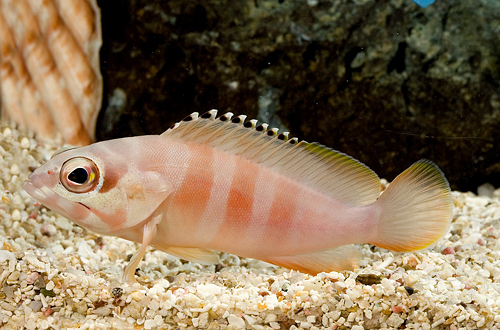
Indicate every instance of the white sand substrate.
{"type": "Point", "coordinates": [57, 275]}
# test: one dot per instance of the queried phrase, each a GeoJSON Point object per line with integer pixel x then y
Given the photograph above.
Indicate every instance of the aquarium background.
{"type": "Point", "coordinates": [387, 81]}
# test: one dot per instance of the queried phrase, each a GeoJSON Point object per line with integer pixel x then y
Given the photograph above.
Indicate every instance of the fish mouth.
{"type": "Point", "coordinates": [38, 186]}
{"type": "Point", "coordinates": [31, 188]}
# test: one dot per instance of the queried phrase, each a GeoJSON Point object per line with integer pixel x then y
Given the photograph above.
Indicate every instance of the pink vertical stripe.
{"type": "Point", "coordinates": [194, 193]}
{"type": "Point", "coordinates": [214, 216]}
{"type": "Point", "coordinates": [282, 212]}
{"type": "Point", "coordinates": [240, 200]}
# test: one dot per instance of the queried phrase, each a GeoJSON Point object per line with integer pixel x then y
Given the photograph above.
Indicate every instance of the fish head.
{"type": "Point", "coordinates": [98, 187]}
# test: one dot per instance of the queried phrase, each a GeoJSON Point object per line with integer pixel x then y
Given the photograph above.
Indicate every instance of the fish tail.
{"type": "Point", "coordinates": [415, 210]}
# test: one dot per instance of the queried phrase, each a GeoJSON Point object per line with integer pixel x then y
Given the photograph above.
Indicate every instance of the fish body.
{"type": "Point", "coordinates": [251, 210]}
{"type": "Point", "coordinates": [222, 184]}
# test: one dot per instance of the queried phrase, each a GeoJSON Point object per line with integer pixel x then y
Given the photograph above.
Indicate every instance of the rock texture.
{"type": "Point", "coordinates": [50, 81]}
{"type": "Point", "coordinates": [385, 81]}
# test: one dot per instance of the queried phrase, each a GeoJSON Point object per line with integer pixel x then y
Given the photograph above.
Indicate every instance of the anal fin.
{"type": "Point", "coordinates": [345, 257]}
{"type": "Point", "coordinates": [199, 255]}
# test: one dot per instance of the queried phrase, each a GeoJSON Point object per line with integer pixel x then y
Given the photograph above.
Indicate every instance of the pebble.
{"type": "Point", "coordinates": [448, 250]}
{"type": "Point", "coordinates": [236, 321]}
{"type": "Point", "coordinates": [149, 324]}
{"type": "Point", "coordinates": [32, 278]}
{"type": "Point", "coordinates": [16, 215]}
{"type": "Point", "coordinates": [25, 143]}
{"type": "Point", "coordinates": [50, 285]}
{"type": "Point", "coordinates": [14, 169]}
{"type": "Point", "coordinates": [48, 229]}
{"type": "Point", "coordinates": [6, 255]}
{"type": "Point", "coordinates": [7, 132]}
{"type": "Point", "coordinates": [204, 290]}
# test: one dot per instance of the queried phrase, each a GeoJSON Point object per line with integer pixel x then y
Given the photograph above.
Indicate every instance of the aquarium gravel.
{"type": "Point", "coordinates": [57, 275]}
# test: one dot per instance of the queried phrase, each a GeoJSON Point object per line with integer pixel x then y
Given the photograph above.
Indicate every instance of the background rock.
{"type": "Point", "coordinates": [386, 81]}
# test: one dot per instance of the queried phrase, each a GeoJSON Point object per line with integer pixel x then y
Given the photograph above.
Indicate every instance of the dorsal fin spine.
{"type": "Point", "coordinates": [226, 117]}
{"type": "Point", "coordinates": [316, 166]}
{"type": "Point", "coordinates": [216, 131]}
{"type": "Point", "coordinates": [285, 153]}
{"type": "Point", "coordinates": [272, 132]}
{"type": "Point", "coordinates": [252, 131]}
{"type": "Point", "coordinates": [193, 134]}
{"type": "Point", "coordinates": [214, 123]}
{"type": "Point", "coordinates": [211, 114]}
{"type": "Point", "coordinates": [260, 149]}
{"type": "Point", "coordinates": [232, 140]}
{"type": "Point", "coordinates": [295, 160]}
{"type": "Point", "coordinates": [254, 122]}
{"type": "Point", "coordinates": [241, 120]}
{"type": "Point", "coordinates": [262, 127]}
{"type": "Point", "coordinates": [246, 135]}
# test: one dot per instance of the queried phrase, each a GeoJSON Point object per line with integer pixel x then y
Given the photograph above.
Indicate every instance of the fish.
{"type": "Point", "coordinates": [211, 184]}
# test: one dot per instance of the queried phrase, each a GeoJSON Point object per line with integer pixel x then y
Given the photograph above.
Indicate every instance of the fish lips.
{"type": "Point", "coordinates": [33, 191]}
{"type": "Point", "coordinates": [39, 184]}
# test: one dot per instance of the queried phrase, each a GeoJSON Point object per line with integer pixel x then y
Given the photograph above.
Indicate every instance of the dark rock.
{"type": "Point", "coordinates": [410, 290]}
{"type": "Point", "coordinates": [369, 279]}
{"type": "Point", "coordinates": [386, 81]}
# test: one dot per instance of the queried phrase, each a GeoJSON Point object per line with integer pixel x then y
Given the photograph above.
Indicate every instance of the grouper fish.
{"type": "Point", "coordinates": [225, 183]}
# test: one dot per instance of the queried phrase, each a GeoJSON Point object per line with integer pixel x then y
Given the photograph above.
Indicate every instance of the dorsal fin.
{"type": "Point", "coordinates": [319, 167]}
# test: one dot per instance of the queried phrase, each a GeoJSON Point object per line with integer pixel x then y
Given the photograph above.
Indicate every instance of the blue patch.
{"type": "Point", "coordinates": [424, 3]}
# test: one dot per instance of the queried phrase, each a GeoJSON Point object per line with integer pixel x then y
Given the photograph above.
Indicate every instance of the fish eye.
{"type": "Point", "coordinates": [79, 175]}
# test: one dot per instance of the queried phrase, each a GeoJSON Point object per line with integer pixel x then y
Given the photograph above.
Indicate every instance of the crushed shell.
{"type": "Point", "coordinates": [57, 275]}
{"type": "Point", "coordinates": [50, 78]}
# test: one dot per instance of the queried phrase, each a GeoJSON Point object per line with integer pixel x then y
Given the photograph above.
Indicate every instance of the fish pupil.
{"type": "Point", "coordinates": [78, 175]}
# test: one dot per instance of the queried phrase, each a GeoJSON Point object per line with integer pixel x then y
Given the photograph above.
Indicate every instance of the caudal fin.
{"type": "Point", "coordinates": [415, 209]}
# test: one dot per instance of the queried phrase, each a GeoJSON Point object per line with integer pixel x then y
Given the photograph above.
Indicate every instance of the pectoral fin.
{"type": "Point", "coordinates": [199, 255]}
{"type": "Point", "coordinates": [341, 258]}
